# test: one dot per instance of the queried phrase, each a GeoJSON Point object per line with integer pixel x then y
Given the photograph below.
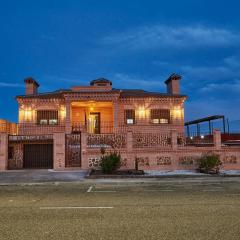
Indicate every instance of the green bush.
{"type": "Point", "coordinates": [110, 162]}
{"type": "Point", "coordinates": [209, 163]}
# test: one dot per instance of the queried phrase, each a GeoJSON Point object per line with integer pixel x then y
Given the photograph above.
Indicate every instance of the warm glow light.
{"type": "Point", "coordinates": [91, 108]}
{"type": "Point", "coordinates": [62, 112]}
{"type": "Point", "coordinates": [142, 112]}
{"type": "Point", "coordinates": [177, 113]}
{"type": "Point", "coordinates": [27, 115]}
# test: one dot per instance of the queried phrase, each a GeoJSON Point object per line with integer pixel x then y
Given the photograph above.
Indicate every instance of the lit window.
{"type": "Point", "coordinates": [155, 121]}
{"type": "Point", "coordinates": [53, 121]}
{"type": "Point", "coordinates": [129, 116]}
{"type": "Point", "coordinates": [162, 120]}
{"type": "Point", "coordinates": [160, 116]}
{"type": "Point", "coordinates": [47, 117]}
{"type": "Point", "coordinates": [130, 121]}
{"type": "Point", "coordinates": [43, 121]}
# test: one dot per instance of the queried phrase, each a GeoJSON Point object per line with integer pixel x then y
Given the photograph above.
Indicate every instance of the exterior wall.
{"type": "Point", "coordinates": [3, 151]}
{"type": "Point", "coordinates": [28, 116]}
{"type": "Point", "coordinates": [8, 127]}
{"type": "Point", "coordinates": [165, 156]}
{"type": "Point", "coordinates": [143, 123]}
{"type": "Point", "coordinates": [59, 151]}
{"type": "Point", "coordinates": [16, 162]}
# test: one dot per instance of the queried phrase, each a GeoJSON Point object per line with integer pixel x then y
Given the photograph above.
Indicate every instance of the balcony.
{"type": "Point", "coordinates": [93, 127]}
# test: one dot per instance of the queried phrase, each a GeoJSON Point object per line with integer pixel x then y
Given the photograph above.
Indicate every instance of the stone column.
{"type": "Point", "coordinates": [3, 151]}
{"type": "Point", "coordinates": [115, 115]}
{"type": "Point", "coordinates": [174, 135]}
{"type": "Point", "coordinates": [68, 128]}
{"type": "Point", "coordinates": [59, 151]}
{"type": "Point", "coordinates": [217, 140]}
{"type": "Point", "coordinates": [84, 156]}
{"type": "Point", "coordinates": [129, 142]}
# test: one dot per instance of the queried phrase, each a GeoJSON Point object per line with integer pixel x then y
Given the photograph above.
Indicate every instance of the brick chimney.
{"type": "Point", "coordinates": [172, 83]}
{"type": "Point", "coordinates": [31, 86]}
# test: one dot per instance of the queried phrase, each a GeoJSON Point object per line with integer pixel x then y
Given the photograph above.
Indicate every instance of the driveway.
{"type": "Point", "coordinates": [37, 176]}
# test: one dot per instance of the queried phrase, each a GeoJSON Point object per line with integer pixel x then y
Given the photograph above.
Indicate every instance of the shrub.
{"type": "Point", "coordinates": [110, 162]}
{"type": "Point", "coordinates": [210, 163]}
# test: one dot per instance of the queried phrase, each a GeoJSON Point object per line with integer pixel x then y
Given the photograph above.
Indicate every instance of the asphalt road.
{"type": "Point", "coordinates": [122, 210]}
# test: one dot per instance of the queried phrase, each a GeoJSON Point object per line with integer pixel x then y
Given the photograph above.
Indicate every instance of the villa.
{"type": "Point", "coordinates": [68, 127]}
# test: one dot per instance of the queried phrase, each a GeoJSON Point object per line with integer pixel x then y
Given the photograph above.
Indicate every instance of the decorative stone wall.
{"type": "Point", "coordinates": [230, 159]}
{"type": "Point", "coordinates": [151, 140]}
{"type": "Point", "coordinates": [115, 141]}
{"type": "Point", "coordinates": [16, 162]}
{"type": "Point", "coordinates": [163, 160]}
{"type": "Point", "coordinates": [94, 162]}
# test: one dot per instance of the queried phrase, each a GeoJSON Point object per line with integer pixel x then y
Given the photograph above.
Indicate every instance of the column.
{"type": "Point", "coordinates": [3, 151]}
{"type": "Point", "coordinates": [129, 142]}
{"type": "Point", "coordinates": [84, 155]}
{"type": "Point", "coordinates": [68, 128]}
{"type": "Point", "coordinates": [115, 114]}
{"type": "Point", "coordinates": [217, 140]}
{"type": "Point", "coordinates": [59, 151]}
{"type": "Point", "coordinates": [174, 135]}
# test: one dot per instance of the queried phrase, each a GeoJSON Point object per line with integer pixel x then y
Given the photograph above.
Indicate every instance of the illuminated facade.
{"type": "Point", "coordinates": [68, 128]}
{"type": "Point", "coordinates": [99, 108]}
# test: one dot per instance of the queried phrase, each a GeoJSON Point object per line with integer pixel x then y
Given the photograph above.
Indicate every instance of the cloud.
{"type": "Point", "coordinates": [130, 81]}
{"type": "Point", "coordinates": [213, 73]}
{"type": "Point", "coordinates": [10, 85]}
{"type": "Point", "coordinates": [161, 36]}
{"type": "Point", "coordinates": [232, 86]}
{"type": "Point", "coordinates": [228, 69]}
{"type": "Point", "coordinates": [208, 106]}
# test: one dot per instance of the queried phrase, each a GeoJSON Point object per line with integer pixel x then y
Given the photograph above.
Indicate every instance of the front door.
{"type": "Point", "coordinates": [94, 122]}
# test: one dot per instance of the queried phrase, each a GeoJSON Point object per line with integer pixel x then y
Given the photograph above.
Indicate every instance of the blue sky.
{"type": "Point", "coordinates": [136, 44]}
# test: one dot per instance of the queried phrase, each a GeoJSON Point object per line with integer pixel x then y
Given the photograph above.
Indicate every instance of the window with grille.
{"type": "Point", "coordinates": [160, 116]}
{"type": "Point", "coordinates": [47, 117]}
{"type": "Point", "coordinates": [130, 116]}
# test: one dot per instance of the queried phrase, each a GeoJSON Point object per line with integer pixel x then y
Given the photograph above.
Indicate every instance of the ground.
{"type": "Point", "coordinates": [191, 208]}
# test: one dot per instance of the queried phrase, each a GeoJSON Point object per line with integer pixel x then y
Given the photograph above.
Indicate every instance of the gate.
{"type": "Point", "coordinates": [38, 156]}
{"type": "Point", "coordinates": [73, 150]}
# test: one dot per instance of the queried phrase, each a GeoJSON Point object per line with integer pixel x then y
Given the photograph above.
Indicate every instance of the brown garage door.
{"type": "Point", "coordinates": [38, 156]}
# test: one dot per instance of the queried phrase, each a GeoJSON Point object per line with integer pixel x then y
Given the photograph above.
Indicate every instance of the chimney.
{"type": "Point", "coordinates": [31, 86]}
{"type": "Point", "coordinates": [173, 84]}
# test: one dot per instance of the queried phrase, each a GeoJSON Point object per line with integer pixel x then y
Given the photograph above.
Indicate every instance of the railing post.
{"type": "Point", "coordinates": [3, 151]}
{"type": "Point", "coordinates": [84, 157]}
{"type": "Point", "coordinates": [68, 118]}
{"type": "Point", "coordinates": [129, 142]}
{"type": "Point", "coordinates": [217, 139]}
{"type": "Point", "coordinates": [59, 151]}
{"type": "Point", "coordinates": [174, 135]}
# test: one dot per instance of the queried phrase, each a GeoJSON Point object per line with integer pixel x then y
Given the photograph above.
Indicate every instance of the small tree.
{"type": "Point", "coordinates": [110, 162]}
{"type": "Point", "coordinates": [209, 163]}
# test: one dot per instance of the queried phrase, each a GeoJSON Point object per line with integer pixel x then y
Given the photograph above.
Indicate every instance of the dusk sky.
{"type": "Point", "coordinates": [136, 44]}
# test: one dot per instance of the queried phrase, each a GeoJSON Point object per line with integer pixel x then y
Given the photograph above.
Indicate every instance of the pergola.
{"type": "Point", "coordinates": [202, 120]}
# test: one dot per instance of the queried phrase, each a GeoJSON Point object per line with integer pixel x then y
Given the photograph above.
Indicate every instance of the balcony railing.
{"type": "Point", "coordinates": [104, 127]}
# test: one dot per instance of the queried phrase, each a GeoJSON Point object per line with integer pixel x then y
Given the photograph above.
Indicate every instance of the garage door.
{"type": "Point", "coordinates": [38, 156]}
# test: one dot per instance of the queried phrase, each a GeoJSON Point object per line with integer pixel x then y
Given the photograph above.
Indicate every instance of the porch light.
{"type": "Point", "coordinates": [27, 114]}
{"type": "Point", "coordinates": [177, 113]}
{"type": "Point", "coordinates": [202, 136]}
{"type": "Point", "coordinates": [142, 112]}
{"type": "Point", "coordinates": [62, 112]}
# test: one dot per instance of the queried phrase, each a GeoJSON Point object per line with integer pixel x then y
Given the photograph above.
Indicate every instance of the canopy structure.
{"type": "Point", "coordinates": [207, 119]}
